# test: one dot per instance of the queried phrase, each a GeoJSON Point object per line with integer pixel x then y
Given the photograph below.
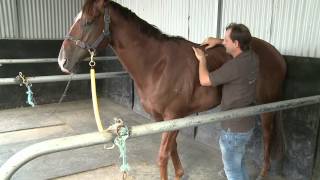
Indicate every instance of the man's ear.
{"type": "Point", "coordinates": [236, 42]}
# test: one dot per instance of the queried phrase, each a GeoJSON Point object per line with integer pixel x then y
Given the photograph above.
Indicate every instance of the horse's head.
{"type": "Point", "coordinates": [89, 31]}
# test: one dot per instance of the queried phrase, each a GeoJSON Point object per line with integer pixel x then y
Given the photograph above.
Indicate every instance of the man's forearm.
{"type": "Point", "coordinates": [204, 73]}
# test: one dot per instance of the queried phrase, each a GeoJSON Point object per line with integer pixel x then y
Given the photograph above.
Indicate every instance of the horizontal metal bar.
{"type": "Point", "coordinates": [50, 60]}
{"type": "Point", "coordinates": [176, 124]}
{"type": "Point", "coordinates": [61, 144]}
{"type": "Point", "coordinates": [59, 78]}
{"type": "Point", "coordinates": [50, 146]}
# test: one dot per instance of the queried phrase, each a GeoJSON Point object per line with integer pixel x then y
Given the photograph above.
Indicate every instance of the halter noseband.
{"type": "Point", "coordinates": [105, 33]}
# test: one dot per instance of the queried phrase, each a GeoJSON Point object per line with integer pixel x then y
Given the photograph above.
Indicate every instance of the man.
{"type": "Point", "coordinates": [238, 79]}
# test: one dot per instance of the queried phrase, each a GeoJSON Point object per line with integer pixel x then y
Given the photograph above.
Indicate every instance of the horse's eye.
{"type": "Point", "coordinates": [88, 22]}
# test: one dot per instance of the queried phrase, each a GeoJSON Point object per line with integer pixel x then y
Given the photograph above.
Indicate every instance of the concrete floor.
{"type": "Point", "coordinates": [25, 126]}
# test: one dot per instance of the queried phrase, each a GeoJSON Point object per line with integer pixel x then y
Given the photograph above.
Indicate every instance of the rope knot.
{"type": "Point", "coordinates": [123, 134]}
{"type": "Point", "coordinates": [24, 81]}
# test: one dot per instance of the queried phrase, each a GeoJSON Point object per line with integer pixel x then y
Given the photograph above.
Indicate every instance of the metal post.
{"type": "Point", "coordinates": [50, 60]}
{"type": "Point", "coordinates": [58, 78]}
{"type": "Point", "coordinates": [55, 145]}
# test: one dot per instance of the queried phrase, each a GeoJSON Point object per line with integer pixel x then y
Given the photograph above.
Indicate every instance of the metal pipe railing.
{"type": "Point", "coordinates": [50, 146]}
{"type": "Point", "coordinates": [49, 60]}
{"type": "Point", "coordinates": [73, 142]}
{"type": "Point", "coordinates": [59, 78]}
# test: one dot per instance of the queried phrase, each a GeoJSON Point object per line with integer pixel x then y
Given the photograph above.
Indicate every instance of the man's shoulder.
{"type": "Point", "coordinates": [232, 63]}
{"type": "Point", "coordinates": [249, 56]}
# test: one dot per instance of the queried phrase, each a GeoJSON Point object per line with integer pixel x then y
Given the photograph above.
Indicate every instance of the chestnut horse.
{"type": "Point", "coordinates": [165, 70]}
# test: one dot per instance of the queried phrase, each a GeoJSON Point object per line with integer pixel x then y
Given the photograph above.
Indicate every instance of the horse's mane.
{"type": "Point", "coordinates": [145, 27]}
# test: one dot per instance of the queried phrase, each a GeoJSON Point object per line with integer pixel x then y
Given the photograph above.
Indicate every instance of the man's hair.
{"type": "Point", "coordinates": [240, 33]}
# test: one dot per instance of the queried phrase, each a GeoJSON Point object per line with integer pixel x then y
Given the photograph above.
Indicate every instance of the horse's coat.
{"type": "Point", "coordinates": [165, 71]}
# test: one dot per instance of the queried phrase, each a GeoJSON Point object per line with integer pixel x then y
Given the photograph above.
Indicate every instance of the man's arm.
{"type": "Point", "coordinates": [203, 70]}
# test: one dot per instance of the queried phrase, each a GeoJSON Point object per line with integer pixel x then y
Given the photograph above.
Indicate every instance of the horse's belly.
{"type": "Point", "coordinates": [206, 98]}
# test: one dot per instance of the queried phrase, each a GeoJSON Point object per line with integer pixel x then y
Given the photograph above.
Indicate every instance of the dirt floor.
{"type": "Point", "coordinates": [25, 126]}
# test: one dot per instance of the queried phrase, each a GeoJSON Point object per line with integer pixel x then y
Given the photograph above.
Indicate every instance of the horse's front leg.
{"type": "Point", "coordinates": [167, 141]}
{"type": "Point", "coordinates": [267, 126]}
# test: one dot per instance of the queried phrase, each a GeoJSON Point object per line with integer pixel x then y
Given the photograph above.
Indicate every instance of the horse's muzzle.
{"type": "Point", "coordinates": [62, 64]}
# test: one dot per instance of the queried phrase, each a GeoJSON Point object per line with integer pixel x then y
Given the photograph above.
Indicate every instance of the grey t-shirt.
{"type": "Point", "coordinates": [238, 79]}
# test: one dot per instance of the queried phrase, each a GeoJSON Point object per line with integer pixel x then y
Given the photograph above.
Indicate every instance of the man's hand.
{"type": "Point", "coordinates": [199, 54]}
{"type": "Point", "coordinates": [211, 42]}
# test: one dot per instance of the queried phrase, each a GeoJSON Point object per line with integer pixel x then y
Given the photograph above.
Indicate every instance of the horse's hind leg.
{"type": "Point", "coordinates": [167, 141]}
{"type": "Point", "coordinates": [267, 120]}
{"type": "Point", "coordinates": [176, 160]}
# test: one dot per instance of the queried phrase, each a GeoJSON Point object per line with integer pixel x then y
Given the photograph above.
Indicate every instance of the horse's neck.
{"type": "Point", "coordinates": [135, 51]}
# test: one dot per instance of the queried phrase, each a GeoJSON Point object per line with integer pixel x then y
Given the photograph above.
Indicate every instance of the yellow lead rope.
{"type": "Point", "coordinates": [100, 124]}
{"type": "Point", "coordinates": [118, 127]}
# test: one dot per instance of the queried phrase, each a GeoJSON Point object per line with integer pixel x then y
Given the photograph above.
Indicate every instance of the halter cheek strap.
{"type": "Point", "coordinates": [105, 33]}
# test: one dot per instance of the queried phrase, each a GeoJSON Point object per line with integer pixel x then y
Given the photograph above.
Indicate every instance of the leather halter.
{"type": "Point", "coordinates": [105, 33]}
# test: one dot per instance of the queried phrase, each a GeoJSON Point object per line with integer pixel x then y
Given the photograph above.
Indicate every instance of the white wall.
{"type": "Point", "coordinates": [37, 19]}
{"type": "Point", "coordinates": [292, 26]}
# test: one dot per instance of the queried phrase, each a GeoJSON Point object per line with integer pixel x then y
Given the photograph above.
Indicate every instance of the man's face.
{"type": "Point", "coordinates": [229, 44]}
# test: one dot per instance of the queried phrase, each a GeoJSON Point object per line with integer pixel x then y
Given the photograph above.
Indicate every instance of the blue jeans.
{"type": "Point", "coordinates": [233, 148]}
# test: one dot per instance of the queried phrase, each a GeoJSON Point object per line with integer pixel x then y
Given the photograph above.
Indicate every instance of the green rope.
{"type": "Point", "coordinates": [120, 141]}
{"type": "Point", "coordinates": [30, 99]}
{"type": "Point", "coordinates": [24, 81]}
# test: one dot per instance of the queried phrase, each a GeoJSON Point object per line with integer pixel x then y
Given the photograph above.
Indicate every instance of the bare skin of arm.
{"type": "Point", "coordinates": [203, 70]}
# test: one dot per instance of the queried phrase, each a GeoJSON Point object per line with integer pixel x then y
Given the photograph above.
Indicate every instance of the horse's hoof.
{"type": "Point", "coordinates": [261, 178]}
{"type": "Point", "coordinates": [179, 173]}
{"type": "Point", "coordinates": [178, 176]}
{"type": "Point", "coordinates": [263, 174]}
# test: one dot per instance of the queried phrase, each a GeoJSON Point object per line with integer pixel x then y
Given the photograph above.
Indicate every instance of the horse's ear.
{"type": "Point", "coordinates": [93, 8]}
{"type": "Point", "coordinates": [99, 6]}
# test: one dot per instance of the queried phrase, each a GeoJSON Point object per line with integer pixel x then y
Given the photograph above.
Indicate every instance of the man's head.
{"type": "Point", "coordinates": [237, 39]}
